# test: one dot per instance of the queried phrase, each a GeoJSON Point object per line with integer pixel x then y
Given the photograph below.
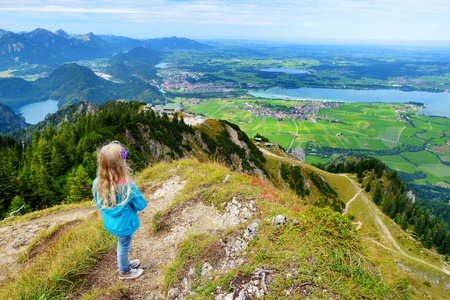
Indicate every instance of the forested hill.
{"type": "Point", "coordinates": [59, 162]}
{"type": "Point", "coordinates": [55, 160]}
{"type": "Point", "coordinates": [9, 120]}
{"type": "Point", "coordinates": [72, 83]}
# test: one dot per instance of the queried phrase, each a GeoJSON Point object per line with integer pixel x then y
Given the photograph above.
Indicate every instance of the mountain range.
{"type": "Point", "coordinates": [42, 46]}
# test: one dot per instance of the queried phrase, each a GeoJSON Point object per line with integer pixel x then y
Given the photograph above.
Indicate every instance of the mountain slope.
{"type": "Point", "coordinates": [72, 83]}
{"type": "Point", "coordinates": [41, 46]}
{"type": "Point", "coordinates": [16, 92]}
{"type": "Point", "coordinates": [209, 200]}
{"type": "Point", "coordinates": [203, 211]}
{"type": "Point", "coordinates": [141, 54]}
{"type": "Point", "coordinates": [9, 121]}
{"type": "Point", "coordinates": [220, 232]}
{"type": "Point", "coordinates": [175, 43]}
{"type": "Point", "coordinates": [162, 44]}
{"type": "Point", "coordinates": [15, 48]}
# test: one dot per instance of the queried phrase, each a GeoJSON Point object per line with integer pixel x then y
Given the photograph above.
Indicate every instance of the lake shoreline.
{"type": "Point", "coordinates": [435, 104]}
{"type": "Point", "coordinates": [37, 111]}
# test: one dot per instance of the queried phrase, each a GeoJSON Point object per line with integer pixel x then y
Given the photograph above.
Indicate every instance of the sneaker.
{"type": "Point", "coordinates": [131, 274]}
{"type": "Point", "coordinates": [134, 263]}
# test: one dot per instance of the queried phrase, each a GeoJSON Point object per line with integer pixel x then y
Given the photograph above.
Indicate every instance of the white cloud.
{"type": "Point", "coordinates": [314, 17]}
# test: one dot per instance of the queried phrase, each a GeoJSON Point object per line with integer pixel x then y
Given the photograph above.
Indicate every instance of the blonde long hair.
{"type": "Point", "coordinates": [111, 168]}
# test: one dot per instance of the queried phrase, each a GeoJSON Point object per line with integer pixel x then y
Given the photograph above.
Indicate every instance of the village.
{"type": "Point", "coordinates": [189, 83]}
{"type": "Point", "coordinates": [305, 111]}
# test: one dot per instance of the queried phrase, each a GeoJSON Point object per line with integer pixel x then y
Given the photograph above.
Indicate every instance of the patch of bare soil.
{"type": "Point", "coordinates": [158, 250]}
{"type": "Point", "coordinates": [14, 239]}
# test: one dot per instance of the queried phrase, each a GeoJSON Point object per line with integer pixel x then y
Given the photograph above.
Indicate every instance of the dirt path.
{"type": "Point", "coordinates": [350, 201]}
{"type": "Point", "coordinates": [386, 234]}
{"type": "Point", "coordinates": [14, 239]}
{"type": "Point", "coordinates": [158, 250]}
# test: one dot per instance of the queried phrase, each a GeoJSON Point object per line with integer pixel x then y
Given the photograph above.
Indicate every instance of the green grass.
{"type": "Point", "coordinates": [421, 158]}
{"type": "Point", "coordinates": [396, 162]}
{"type": "Point", "coordinates": [322, 249]}
{"type": "Point", "coordinates": [57, 273]}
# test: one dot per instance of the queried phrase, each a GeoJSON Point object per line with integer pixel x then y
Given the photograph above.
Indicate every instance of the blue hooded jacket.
{"type": "Point", "coordinates": [123, 220]}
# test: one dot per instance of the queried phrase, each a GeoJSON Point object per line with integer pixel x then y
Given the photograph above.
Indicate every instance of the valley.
{"type": "Point", "coordinates": [226, 197]}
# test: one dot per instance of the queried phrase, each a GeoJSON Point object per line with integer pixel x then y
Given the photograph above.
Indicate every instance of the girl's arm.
{"type": "Point", "coordinates": [138, 201]}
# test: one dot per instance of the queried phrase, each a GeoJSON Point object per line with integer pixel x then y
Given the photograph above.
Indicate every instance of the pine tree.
{"type": "Point", "coordinates": [17, 204]}
{"type": "Point", "coordinates": [428, 240]}
{"type": "Point", "coordinates": [79, 185]}
{"type": "Point", "coordinates": [445, 247]}
{"type": "Point", "coordinates": [377, 195]}
{"type": "Point", "coordinates": [404, 223]}
{"type": "Point", "coordinates": [440, 234]}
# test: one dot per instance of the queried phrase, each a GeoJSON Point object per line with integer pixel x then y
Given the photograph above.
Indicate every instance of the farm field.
{"type": "Point", "coordinates": [398, 140]}
{"type": "Point", "coordinates": [396, 162]}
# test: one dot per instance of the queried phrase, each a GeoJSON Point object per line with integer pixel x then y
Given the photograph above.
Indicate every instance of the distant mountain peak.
{"type": "Point", "coordinates": [40, 31]}
{"type": "Point", "coordinates": [4, 32]}
{"type": "Point", "coordinates": [62, 33]}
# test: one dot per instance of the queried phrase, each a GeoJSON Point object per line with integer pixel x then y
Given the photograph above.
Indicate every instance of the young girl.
{"type": "Point", "coordinates": [119, 200]}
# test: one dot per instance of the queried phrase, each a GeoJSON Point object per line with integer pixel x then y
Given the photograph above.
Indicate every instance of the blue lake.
{"type": "Point", "coordinates": [36, 112]}
{"type": "Point", "coordinates": [437, 104]}
{"type": "Point", "coordinates": [285, 71]}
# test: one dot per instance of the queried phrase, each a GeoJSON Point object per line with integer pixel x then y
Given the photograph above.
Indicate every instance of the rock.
{"type": "Point", "coordinates": [191, 272]}
{"type": "Point", "coordinates": [248, 215]}
{"type": "Point", "coordinates": [279, 220]}
{"type": "Point", "coordinates": [219, 297]}
{"type": "Point", "coordinates": [149, 265]}
{"type": "Point", "coordinates": [251, 230]}
{"type": "Point", "coordinates": [241, 295]}
{"type": "Point", "coordinates": [187, 284]}
{"type": "Point", "coordinates": [295, 221]}
{"type": "Point", "coordinates": [20, 242]}
{"type": "Point", "coordinates": [230, 296]}
{"type": "Point", "coordinates": [239, 262]}
{"type": "Point", "coordinates": [226, 178]}
{"type": "Point", "coordinates": [206, 269]}
{"type": "Point", "coordinates": [173, 293]}
{"type": "Point", "coordinates": [298, 153]}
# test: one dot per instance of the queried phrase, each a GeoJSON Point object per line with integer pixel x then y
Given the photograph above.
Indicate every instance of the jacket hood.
{"type": "Point", "coordinates": [112, 211]}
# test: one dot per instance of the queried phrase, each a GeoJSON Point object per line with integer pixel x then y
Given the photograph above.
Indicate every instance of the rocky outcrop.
{"type": "Point", "coordinates": [298, 153]}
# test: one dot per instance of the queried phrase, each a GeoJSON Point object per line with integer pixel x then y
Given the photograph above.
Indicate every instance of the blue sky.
{"type": "Point", "coordinates": [394, 21]}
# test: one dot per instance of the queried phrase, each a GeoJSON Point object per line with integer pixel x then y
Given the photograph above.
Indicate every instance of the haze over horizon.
{"type": "Point", "coordinates": [366, 21]}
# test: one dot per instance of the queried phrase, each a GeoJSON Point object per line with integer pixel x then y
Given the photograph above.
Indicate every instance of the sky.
{"type": "Point", "coordinates": [394, 21]}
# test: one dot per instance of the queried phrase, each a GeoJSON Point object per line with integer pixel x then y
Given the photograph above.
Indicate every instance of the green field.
{"type": "Point", "coordinates": [421, 158]}
{"type": "Point", "coordinates": [374, 127]}
{"type": "Point", "coordinates": [396, 162]}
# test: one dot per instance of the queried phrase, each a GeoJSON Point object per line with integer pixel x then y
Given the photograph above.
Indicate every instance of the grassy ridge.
{"type": "Point", "coordinates": [322, 252]}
